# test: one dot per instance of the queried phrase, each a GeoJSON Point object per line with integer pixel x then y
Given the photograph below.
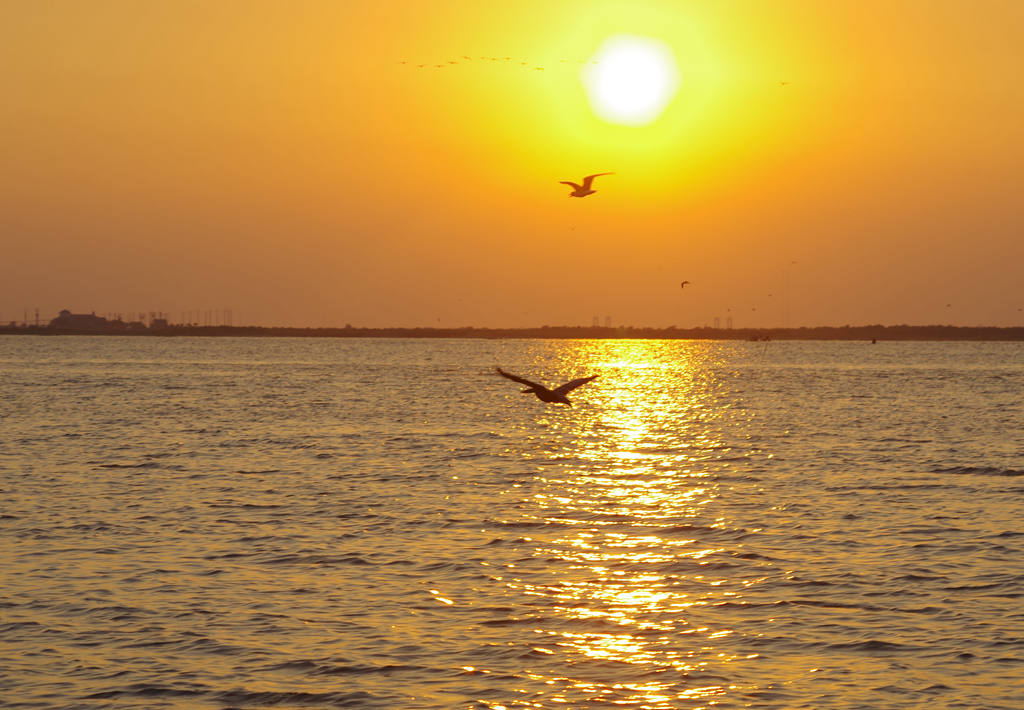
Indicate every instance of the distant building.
{"type": "Point", "coordinates": [92, 322]}
{"type": "Point", "coordinates": [80, 321]}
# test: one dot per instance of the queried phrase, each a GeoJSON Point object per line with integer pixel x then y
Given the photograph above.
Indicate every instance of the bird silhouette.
{"type": "Point", "coordinates": [556, 395]}
{"type": "Point", "coordinates": [584, 189]}
{"type": "Point", "coordinates": [683, 284]}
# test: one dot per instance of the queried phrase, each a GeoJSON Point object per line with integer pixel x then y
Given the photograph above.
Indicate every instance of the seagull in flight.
{"type": "Point", "coordinates": [543, 393]}
{"type": "Point", "coordinates": [584, 189]}
{"type": "Point", "coordinates": [683, 284]}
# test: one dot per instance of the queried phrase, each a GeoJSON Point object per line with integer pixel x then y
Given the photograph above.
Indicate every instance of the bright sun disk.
{"type": "Point", "coordinates": [631, 79]}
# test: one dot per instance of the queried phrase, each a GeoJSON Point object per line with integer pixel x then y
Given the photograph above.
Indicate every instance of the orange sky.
{"type": "Point", "coordinates": [276, 158]}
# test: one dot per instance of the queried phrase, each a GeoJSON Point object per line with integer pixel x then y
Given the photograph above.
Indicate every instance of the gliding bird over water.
{"type": "Point", "coordinates": [584, 189]}
{"type": "Point", "coordinates": [543, 393]}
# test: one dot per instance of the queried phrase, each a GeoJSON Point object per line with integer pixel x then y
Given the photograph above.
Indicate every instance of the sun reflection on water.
{"type": "Point", "coordinates": [625, 537]}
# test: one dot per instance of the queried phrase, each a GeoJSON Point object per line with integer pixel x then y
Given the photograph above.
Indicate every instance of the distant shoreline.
{"type": "Point", "coordinates": [869, 332]}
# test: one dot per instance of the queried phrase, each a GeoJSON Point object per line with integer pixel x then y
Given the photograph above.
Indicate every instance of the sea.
{"type": "Point", "coordinates": [388, 524]}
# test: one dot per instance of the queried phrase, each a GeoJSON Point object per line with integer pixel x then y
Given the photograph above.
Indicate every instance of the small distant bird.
{"type": "Point", "coordinates": [783, 83]}
{"type": "Point", "coordinates": [584, 189]}
{"type": "Point", "coordinates": [543, 393]}
{"type": "Point", "coordinates": [683, 284]}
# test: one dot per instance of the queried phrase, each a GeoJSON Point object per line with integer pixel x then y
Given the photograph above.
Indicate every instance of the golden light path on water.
{"type": "Point", "coordinates": [630, 565]}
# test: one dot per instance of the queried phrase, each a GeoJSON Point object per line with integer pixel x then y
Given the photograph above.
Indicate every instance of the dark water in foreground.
{"type": "Point", "coordinates": [233, 523]}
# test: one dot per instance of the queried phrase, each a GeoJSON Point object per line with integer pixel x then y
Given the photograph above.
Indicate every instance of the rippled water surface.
{"type": "Point", "coordinates": [306, 523]}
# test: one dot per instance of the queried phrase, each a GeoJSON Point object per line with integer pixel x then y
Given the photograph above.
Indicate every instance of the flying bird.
{"type": "Point", "coordinates": [543, 393]}
{"type": "Point", "coordinates": [683, 284]}
{"type": "Point", "coordinates": [584, 189]}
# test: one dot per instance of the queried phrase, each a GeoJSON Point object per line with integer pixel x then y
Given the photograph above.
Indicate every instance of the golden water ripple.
{"type": "Point", "coordinates": [303, 523]}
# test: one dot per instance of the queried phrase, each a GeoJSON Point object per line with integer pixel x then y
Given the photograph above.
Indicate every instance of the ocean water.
{"type": "Point", "coordinates": [329, 523]}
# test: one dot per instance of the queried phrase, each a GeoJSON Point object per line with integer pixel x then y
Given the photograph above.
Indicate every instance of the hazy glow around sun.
{"type": "Point", "coordinates": [631, 79]}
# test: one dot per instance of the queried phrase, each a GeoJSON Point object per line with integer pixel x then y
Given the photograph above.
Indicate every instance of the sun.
{"type": "Point", "coordinates": [631, 79]}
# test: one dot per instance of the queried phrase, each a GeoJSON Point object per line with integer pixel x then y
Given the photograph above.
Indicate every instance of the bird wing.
{"type": "Point", "coordinates": [571, 184]}
{"type": "Point", "coordinates": [589, 179]}
{"type": "Point", "coordinates": [570, 386]}
{"type": "Point", "coordinates": [516, 378]}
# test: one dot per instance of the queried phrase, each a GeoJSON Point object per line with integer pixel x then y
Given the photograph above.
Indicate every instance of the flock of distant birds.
{"type": "Point", "coordinates": [512, 61]}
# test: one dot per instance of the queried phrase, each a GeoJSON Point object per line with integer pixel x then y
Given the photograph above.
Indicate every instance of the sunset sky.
{"type": "Point", "coordinates": [848, 162]}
